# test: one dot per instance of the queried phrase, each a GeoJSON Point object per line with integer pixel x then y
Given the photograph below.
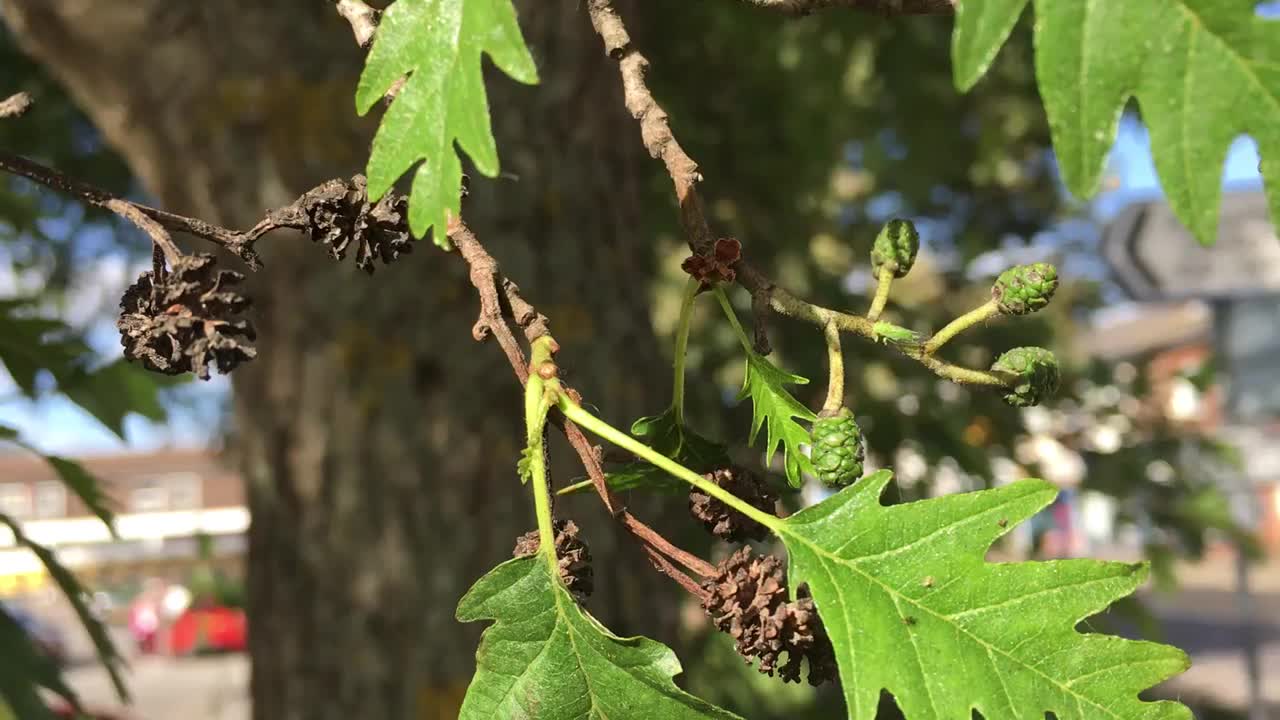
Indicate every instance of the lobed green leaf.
{"type": "Point", "coordinates": [546, 658]}
{"type": "Point", "coordinates": [1203, 71]}
{"type": "Point", "coordinates": [913, 607]}
{"type": "Point", "coordinates": [75, 593]}
{"type": "Point", "coordinates": [437, 44]}
{"type": "Point", "coordinates": [774, 409]}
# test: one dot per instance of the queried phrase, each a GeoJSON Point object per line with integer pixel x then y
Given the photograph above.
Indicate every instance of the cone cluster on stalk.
{"type": "Point", "coordinates": [1025, 288]}
{"type": "Point", "coordinates": [895, 247]}
{"type": "Point", "coordinates": [747, 600]}
{"type": "Point", "coordinates": [572, 554]}
{"type": "Point", "coordinates": [723, 521]}
{"type": "Point", "coordinates": [1037, 371]}
{"type": "Point", "coordinates": [186, 320]}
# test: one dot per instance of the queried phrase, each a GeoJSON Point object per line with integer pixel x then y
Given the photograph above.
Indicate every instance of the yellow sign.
{"type": "Point", "coordinates": [20, 583]}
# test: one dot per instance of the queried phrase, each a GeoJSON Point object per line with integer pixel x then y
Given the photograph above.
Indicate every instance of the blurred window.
{"type": "Point", "coordinates": [51, 500]}
{"type": "Point", "coordinates": [184, 491]}
{"type": "Point", "coordinates": [15, 500]}
{"type": "Point", "coordinates": [149, 496]}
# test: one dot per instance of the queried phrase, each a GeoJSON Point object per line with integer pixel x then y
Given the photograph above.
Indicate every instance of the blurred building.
{"type": "Point", "coordinates": [1176, 341]}
{"type": "Point", "coordinates": [164, 502]}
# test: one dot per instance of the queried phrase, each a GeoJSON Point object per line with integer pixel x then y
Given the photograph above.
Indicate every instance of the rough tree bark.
{"type": "Point", "coordinates": [379, 443]}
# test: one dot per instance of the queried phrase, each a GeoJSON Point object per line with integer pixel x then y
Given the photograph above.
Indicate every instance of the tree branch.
{"type": "Point", "coordinates": [500, 298]}
{"type": "Point", "coordinates": [655, 132]}
{"type": "Point", "coordinates": [363, 20]}
{"type": "Point", "coordinates": [879, 7]}
{"type": "Point", "coordinates": [239, 244]}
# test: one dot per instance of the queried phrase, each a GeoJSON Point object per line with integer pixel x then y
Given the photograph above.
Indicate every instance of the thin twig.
{"type": "Point", "coordinates": [240, 244]}
{"type": "Point", "coordinates": [363, 20]}
{"type": "Point", "coordinates": [655, 132]}
{"type": "Point", "coordinates": [835, 366]}
{"type": "Point", "coordinates": [883, 283]}
{"type": "Point", "coordinates": [490, 285]}
{"type": "Point", "coordinates": [159, 236]}
{"type": "Point", "coordinates": [15, 105]}
{"type": "Point", "coordinates": [364, 25]}
{"type": "Point", "coordinates": [760, 312]}
{"type": "Point", "coordinates": [500, 298]}
{"type": "Point", "coordinates": [652, 537]}
{"type": "Point", "coordinates": [666, 568]}
{"type": "Point", "coordinates": [978, 315]}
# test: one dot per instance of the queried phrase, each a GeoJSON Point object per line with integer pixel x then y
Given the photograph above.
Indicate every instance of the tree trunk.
{"type": "Point", "coordinates": [378, 442]}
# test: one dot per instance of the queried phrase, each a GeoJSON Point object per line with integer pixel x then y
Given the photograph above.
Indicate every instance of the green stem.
{"type": "Point", "coordinates": [605, 431]}
{"type": "Point", "coordinates": [536, 406]}
{"type": "Point", "coordinates": [979, 314]}
{"type": "Point", "coordinates": [966, 376]}
{"type": "Point", "coordinates": [682, 348]}
{"type": "Point", "coordinates": [885, 280]}
{"type": "Point", "coordinates": [835, 361]}
{"type": "Point", "coordinates": [576, 487]}
{"type": "Point", "coordinates": [733, 318]}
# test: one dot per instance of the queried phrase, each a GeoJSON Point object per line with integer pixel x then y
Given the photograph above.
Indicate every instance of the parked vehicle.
{"type": "Point", "coordinates": [208, 628]}
{"type": "Point", "coordinates": [47, 637]}
{"type": "Point", "coordinates": [63, 709]}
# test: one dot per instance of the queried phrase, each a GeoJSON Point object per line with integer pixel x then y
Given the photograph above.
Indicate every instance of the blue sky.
{"type": "Point", "coordinates": [56, 425]}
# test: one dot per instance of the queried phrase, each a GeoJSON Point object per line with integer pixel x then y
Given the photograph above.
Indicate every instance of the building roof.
{"type": "Point", "coordinates": [1140, 328]}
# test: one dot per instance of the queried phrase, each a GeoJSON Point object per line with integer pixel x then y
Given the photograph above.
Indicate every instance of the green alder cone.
{"type": "Point", "coordinates": [1026, 288]}
{"type": "Point", "coordinates": [1037, 370]}
{"type": "Point", "coordinates": [837, 449]}
{"type": "Point", "coordinates": [895, 247]}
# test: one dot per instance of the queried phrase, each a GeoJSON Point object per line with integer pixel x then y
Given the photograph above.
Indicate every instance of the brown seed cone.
{"type": "Point", "coordinates": [572, 553]}
{"type": "Point", "coordinates": [748, 601]}
{"type": "Point", "coordinates": [338, 213]}
{"type": "Point", "coordinates": [184, 322]}
{"type": "Point", "coordinates": [723, 521]}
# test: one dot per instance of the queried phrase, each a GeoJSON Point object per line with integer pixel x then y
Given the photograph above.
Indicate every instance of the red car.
{"type": "Point", "coordinates": [213, 628]}
{"type": "Point", "coordinates": [63, 709]}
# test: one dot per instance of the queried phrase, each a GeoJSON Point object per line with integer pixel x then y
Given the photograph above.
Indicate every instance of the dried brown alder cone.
{"type": "Point", "coordinates": [716, 266]}
{"type": "Point", "coordinates": [747, 600]}
{"type": "Point", "coordinates": [723, 521]}
{"type": "Point", "coordinates": [571, 552]}
{"type": "Point", "coordinates": [338, 213]}
{"type": "Point", "coordinates": [185, 320]}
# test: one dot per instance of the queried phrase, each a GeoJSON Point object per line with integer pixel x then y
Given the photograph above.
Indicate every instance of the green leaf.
{"type": "Point", "coordinates": [1203, 71]}
{"type": "Point", "coordinates": [773, 406]}
{"type": "Point", "coordinates": [523, 467]}
{"type": "Point", "coordinates": [31, 344]}
{"type": "Point", "coordinates": [680, 443]}
{"type": "Point", "coordinates": [438, 44]}
{"type": "Point", "coordinates": [546, 658]}
{"type": "Point", "coordinates": [676, 441]}
{"type": "Point", "coordinates": [85, 486]}
{"type": "Point", "coordinates": [116, 389]}
{"type": "Point", "coordinates": [75, 594]}
{"type": "Point", "coordinates": [913, 607]}
{"type": "Point", "coordinates": [23, 670]}
{"type": "Point", "coordinates": [639, 475]}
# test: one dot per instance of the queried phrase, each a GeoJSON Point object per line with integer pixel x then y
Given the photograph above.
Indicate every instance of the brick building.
{"type": "Point", "coordinates": [1175, 339]}
{"type": "Point", "coordinates": [164, 501]}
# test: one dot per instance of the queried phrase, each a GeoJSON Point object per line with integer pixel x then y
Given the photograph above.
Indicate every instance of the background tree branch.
{"type": "Point", "coordinates": [661, 143]}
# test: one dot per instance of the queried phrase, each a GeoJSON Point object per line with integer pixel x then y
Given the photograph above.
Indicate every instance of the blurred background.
{"type": "Point", "coordinates": [323, 510]}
